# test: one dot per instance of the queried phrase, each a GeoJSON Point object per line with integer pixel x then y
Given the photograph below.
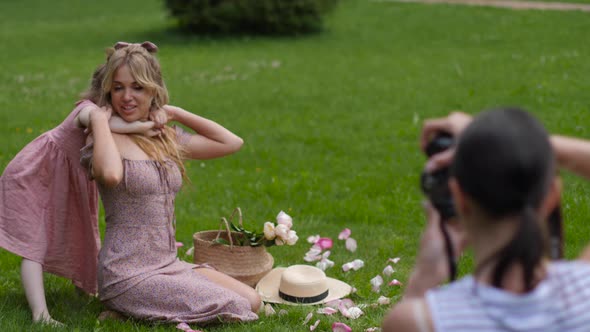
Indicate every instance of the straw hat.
{"type": "Point", "coordinates": [300, 285]}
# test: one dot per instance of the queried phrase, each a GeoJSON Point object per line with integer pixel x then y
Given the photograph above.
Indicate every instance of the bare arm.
{"type": "Point", "coordinates": [572, 154]}
{"type": "Point", "coordinates": [210, 140]}
{"type": "Point", "coordinates": [107, 166]}
{"type": "Point", "coordinates": [117, 124]}
{"type": "Point", "coordinates": [431, 270]}
{"type": "Point", "coordinates": [408, 316]}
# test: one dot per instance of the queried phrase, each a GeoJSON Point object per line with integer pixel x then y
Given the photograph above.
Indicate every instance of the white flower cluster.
{"type": "Point", "coordinates": [281, 233]}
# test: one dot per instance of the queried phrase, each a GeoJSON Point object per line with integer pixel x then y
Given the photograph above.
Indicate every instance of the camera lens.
{"type": "Point", "coordinates": [435, 185]}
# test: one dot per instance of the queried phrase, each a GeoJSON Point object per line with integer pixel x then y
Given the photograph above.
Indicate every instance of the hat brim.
{"type": "Point", "coordinates": [268, 288]}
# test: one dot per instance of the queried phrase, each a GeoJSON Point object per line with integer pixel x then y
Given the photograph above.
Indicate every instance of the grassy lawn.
{"type": "Point", "coordinates": [330, 122]}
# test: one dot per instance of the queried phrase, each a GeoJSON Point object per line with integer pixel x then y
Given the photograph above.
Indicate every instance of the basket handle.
{"type": "Point", "coordinates": [239, 211]}
{"type": "Point", "coordinates": [224, 221]}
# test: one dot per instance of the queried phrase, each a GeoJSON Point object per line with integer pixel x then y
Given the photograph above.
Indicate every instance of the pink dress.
{"type": "Point", "coordinates": [49, 208]}
{"type": "Point", "coordinates": [139, 273]}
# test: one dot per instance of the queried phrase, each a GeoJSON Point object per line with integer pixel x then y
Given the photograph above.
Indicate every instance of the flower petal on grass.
{"type": "Point", "coordinates": [382, 300]}
{"type": "Point", "coordinates": [325, 243]}
{"type": "Point", "coordinates": [394, 260]}
{"type": "Point", "coordinates": [345, 234]}
{"type": "Point", "coordinates": [357, 264]}
{"type": "Point", "coordinates": [347, 266]}
{"type": "Point", "coordinates": [269, 310]}
{"type": "Point", "coordinates": [340, 327]}
{"type": "Point", "coordinates": [350, 244]}
{"type": "Point", "coordinates": [355, 312]}
{"type": "Point", "coordinates": [190, 251]}
{"type": "Point", "coordinates": [178, 244]}
{"type": "Point", "coordinates": [388, 270]}
{"type": "Point", "coordinates": [395, 282]}
{"type": "Point", "coordinates": [313, 239]}
{"type": "Point", "coordinates": [376, 283]}
{"type": "Point", "coordinates": [308, 318]}
{"type": "Point", "coordinates": [186, 328]}
{"type": "Point", "coordinates": [183, 326]}
{"type": "Point", "coordinates": [314, 254]}
{"type": "Point", "coordinates": [311, 328]}
{"type": "Point", "coordinates": [373, 329]}
{"type": "Point", "coordinates": [324, 264]}
{"type": "Point", "coordinates": [327, 311]}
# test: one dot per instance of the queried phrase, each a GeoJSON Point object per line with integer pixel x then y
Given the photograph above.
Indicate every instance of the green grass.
{"type": "Point", "coordinates": [330, 129]}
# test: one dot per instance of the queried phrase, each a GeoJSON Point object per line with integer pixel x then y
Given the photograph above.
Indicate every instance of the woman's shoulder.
{"type": "Point", "coordinates": [574, 268]}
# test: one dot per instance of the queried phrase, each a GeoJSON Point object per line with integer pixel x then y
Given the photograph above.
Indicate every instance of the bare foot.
{"type": "Point", "coordinates": [110, 314]}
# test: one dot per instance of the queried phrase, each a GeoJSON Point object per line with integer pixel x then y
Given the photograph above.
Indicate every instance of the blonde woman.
{"type": "Point", "coordinates": [138, 177]}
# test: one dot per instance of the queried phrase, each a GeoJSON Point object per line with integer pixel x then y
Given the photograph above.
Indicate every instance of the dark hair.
{"type": "Point", "coordinates": [505, 163]}
{"type": "Point", "coordinates": [94, 91]}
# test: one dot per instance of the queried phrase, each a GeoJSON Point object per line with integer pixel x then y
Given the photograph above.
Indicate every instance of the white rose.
{"type": "Point", "coordinates": [292, 238]}
{"type": "Point", "coordinates": [269, 231]}
{"type": "Point", "coordinates": [282, 232]}
{"type": "Point", "coordinates": [284, 219]}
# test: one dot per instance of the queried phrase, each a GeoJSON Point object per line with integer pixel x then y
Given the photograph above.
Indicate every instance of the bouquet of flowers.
{"type": "Point", "coordinates": [273, 233]}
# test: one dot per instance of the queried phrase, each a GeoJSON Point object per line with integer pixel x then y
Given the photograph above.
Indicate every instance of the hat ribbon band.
{"type": "Point", "coordinates": [309, 299]}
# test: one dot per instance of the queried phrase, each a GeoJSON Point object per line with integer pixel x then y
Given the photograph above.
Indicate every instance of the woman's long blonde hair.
{"type": "Point", "coordinates": [145, 69]}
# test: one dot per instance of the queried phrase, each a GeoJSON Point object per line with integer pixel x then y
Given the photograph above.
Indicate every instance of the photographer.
{"type": "Point", "coordinates": [503, 188]}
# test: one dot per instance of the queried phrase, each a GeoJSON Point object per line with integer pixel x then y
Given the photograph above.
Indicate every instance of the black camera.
{"type": "Point", "coordinates": [435, 185]}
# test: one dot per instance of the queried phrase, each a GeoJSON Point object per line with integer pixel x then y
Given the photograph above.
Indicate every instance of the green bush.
{"type": "Point", "coordinates": [250, 16]}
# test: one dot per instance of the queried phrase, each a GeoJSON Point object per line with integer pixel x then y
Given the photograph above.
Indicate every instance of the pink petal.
{"type": "Point", "coordinates": [347, 303]}
{"type": "Point", "coordinates": [340, 327]}
{"type": "Point", "coordinates": [308, 318]}
{"type": "Point", "coordinates": [355, 312]}
{"type": "Point", "coordinates": [373, 329]}
{"type": "Point", "coordinates": [178, 244]}
{"type": "Point", "coordinates": [395, 282]}
{"type": "Point", "coordinates": [325, 243]}
{"type": "Point", "coordinates": [382, 300]}
{"type": "Point", "coordinates": [183, 326]}
{"type": "Point", "coordinates": [394, 260]}
{"type": "Point", "coordinates": [313, 239]}
{"type": "Point", "coordinates": [343, 308]}
{"type": "Point", "coordinates": [388, 270]}
{"type": "Point", "coordinates": [269, 310]}
{"type": "Point", "coordinates": [311, 328]}
{"type": "Point", "coordinates": [324, 264]}
{"type": "Point", "coordinates": [357, 264]}
{"type": "Point", "coordinates": [312, 256]}
{"type": "Point", "coordinates": [333, 304]}
{"type": "Point", "coordinates": [345, 234]}
{"type": "Point", "coordinates": [350, 244]}
{"type": "Point", "coordinates": [284, 219]}
{"type": "Point", "coordinates": [346, 266]}
{"type": "Point", "coordinates": [327, 311]}
{"type": "Point", "coordinates": [376, 283]}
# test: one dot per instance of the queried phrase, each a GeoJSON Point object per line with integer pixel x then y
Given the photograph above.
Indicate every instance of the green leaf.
{"type": "Point", "coordinates": [234, 227]}
{"type": "Point", "coordinates": [221, 241]}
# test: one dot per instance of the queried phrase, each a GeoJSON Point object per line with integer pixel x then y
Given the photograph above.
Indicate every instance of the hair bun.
{"type": "Point", "coordinates": [147, 45]}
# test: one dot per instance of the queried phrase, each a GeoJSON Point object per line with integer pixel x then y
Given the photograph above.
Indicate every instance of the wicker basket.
{"type": "Point", "coordinates": [245, 263]}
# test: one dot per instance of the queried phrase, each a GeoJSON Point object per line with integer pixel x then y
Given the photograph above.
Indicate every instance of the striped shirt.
{"type": "Point", "coordinates": [560, 303]}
